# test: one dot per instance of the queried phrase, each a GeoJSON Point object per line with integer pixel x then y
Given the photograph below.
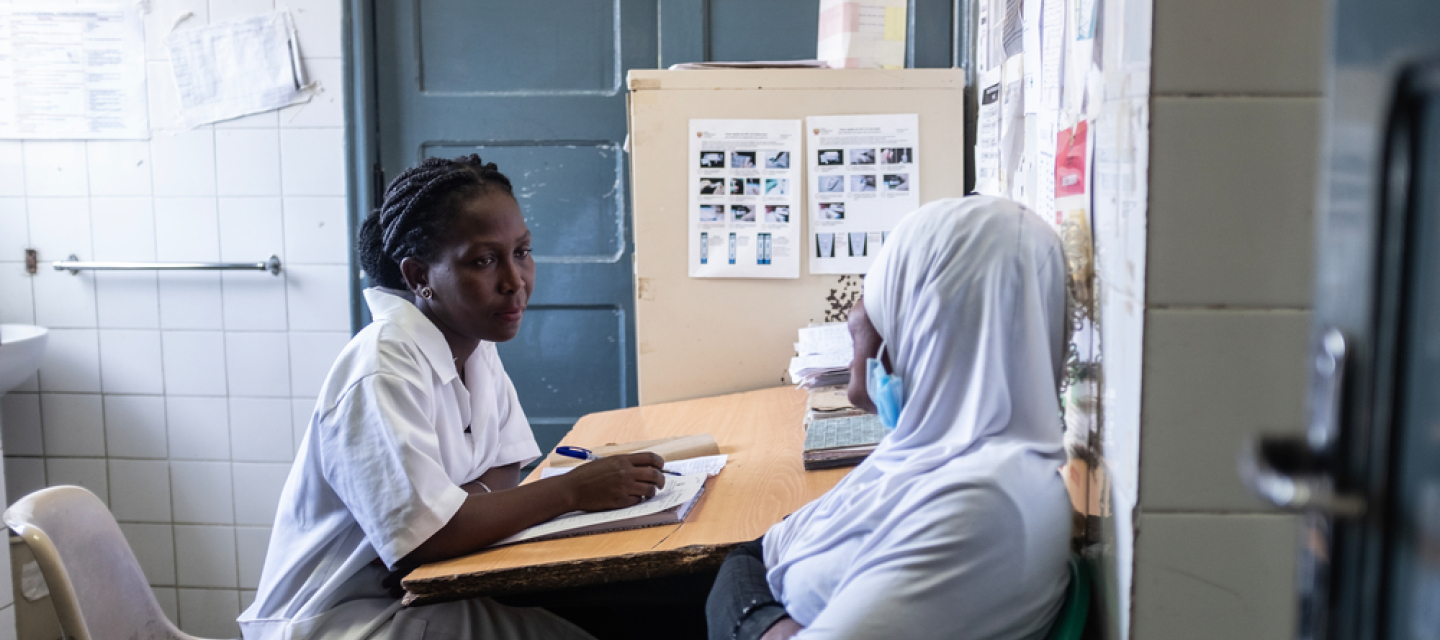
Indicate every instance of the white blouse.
{"type": "Point", "coordinates": [394, 434]}
{"type": "Point", "coordinates": [958, 525]}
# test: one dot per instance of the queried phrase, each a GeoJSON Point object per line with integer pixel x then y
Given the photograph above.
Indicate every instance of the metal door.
{"type": "Point", "coordinates": [538, 88]}
{"type": "Point", "coordinates": [1367, 473]}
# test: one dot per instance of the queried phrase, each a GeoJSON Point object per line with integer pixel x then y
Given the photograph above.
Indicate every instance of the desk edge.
{"type": "Point", "coordinates": [558, 575]}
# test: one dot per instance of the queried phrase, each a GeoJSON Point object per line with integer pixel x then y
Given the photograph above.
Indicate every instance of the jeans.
{"type": "Point", "coordinates": [741, 606]}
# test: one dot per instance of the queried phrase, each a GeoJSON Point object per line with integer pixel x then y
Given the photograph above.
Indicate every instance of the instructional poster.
{"type": "Point", "coordinates": [744, 199]}
{"type": "Point", "coordinates": [864, 173]}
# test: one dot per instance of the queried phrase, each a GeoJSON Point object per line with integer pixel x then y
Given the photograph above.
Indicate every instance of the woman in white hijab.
{"type": "Point", "coordinates": [957, 526]}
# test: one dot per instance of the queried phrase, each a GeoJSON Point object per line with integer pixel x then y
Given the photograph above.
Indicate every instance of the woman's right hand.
{"type": "Point", "coordinates": [614, 482]}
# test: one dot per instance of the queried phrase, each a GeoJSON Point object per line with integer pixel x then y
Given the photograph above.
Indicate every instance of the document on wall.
{"type": "Point", "coordinates": [237, 68]}
{"type": "Point", "coordinates": [862, 33]}
{"type": "Point", "coordinates": [1047, 132]}
{"type": "Point", "coordinates": [1032, 54]}
{"type": "Point", "coordinates": [864, 177]}
{"type": "Point", "coordinates": [1052, 54]}
{"type": "Point", "coordinates": [987, 134]}
{"type": "Point", "coordinates": [75, 72]}
{"type": "Point", "coordinates": [744, 199]}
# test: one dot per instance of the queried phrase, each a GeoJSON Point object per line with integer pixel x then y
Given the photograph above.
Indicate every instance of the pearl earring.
{"type": "Point", "coordinates": [426, 293]}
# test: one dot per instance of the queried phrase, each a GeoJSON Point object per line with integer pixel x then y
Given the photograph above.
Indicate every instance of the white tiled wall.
{"type": "Point", "coordinates": [1234, 162]}
{"type": "Point", "coordinates": [176, 397]}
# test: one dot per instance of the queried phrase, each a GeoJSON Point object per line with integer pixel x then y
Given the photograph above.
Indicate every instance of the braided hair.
{"type": "Point", "coordinates": [418, 208]}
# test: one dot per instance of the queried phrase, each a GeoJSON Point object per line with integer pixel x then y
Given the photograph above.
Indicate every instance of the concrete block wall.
{"type": "Point", "coordinates": [1235, 129]}
{"type": "Point", "coordinates": [178, 398]}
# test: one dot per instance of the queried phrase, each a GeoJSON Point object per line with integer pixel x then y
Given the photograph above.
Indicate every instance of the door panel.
{"type": "Point", "coordinates": [743, 30]}
{"type": "Point", "coordinates": [570, 192]}
{"type": "Point", "coordinates": [541, 47]}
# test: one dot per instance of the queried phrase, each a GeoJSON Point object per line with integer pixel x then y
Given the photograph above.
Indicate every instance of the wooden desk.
{"type": "Point", "coordinates": [763, 482]}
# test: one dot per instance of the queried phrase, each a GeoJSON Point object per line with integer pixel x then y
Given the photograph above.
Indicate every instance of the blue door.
{"type": "Point", "coordinates": [538, 87]}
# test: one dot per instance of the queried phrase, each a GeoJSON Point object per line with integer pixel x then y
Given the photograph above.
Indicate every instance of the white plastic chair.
{"type": "Point", "coordinates": [95, 582]}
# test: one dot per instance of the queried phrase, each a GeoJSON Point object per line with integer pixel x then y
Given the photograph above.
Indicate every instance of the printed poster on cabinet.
{"type": "Point", "coordinates": [864, 177]}
{"type": "Point", "coordinates": [744, 199]}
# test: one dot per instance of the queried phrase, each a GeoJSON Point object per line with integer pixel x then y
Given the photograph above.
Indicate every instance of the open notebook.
{"type": "Point", "coordinates": [669, 506]}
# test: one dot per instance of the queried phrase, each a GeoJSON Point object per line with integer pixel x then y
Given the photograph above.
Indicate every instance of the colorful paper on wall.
{"type": "Point", "coordinates": [862, 33]}
{"type": "Point", "coordinates": [744, 211]}
{"type": "Point", "coordinates": [864, 177]}
{"type": "Point", "coordinates": [1070, 160]}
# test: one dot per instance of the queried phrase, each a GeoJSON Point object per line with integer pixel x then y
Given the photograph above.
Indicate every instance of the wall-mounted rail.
{"type": "Point", "coordinates": [74, 265]}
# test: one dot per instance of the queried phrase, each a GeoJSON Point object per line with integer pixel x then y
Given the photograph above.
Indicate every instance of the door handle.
{"type": "Point", "coordinates": [1284, 472]}
{"type": "Point", "coordinates": [1293, 472]}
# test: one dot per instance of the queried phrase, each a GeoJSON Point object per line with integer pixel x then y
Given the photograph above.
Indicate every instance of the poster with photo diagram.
{"type": "Point", "coordinates": [744, 186]}
{"type": "Point", "coordinates": [863, 173]}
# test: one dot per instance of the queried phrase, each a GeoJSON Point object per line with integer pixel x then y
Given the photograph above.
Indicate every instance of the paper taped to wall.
{"type": "Point", "coordinates": [744, 185]}
{"type": "Point", "coordinates": [74, 72]}
{"type": "Point", "coordinates": [864, 177]}
{"type": "Point", "coordinates": [237, 68]}
{"type": "Point", "coordinates": [862, 33]}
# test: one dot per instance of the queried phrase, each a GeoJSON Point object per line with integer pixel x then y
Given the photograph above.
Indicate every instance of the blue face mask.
{"type": "Point", "coordinates": [886, 390]}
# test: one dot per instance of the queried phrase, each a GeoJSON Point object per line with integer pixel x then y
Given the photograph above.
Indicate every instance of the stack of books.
{"type": "Point", "coordinates": [837, 433]}
{"type": "Point", "coordinates": [841, 441]}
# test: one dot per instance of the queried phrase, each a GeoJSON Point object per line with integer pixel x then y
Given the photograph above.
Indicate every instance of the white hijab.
{"type": "Point", "coordinates": [958, 524]}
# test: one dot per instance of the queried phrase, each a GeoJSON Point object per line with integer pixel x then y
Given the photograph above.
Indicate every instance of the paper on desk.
{"type": "Point", "coordinates": [677, 492]}
{"type": "Point", "coordinates": [825, 338]}
{"type": "Point", "coordinates": [708, 465]}
{"type": "Point", "coordinates": [237, 68]}
{"type": "Point", "coordinates": [802, 366]}
{"type": "Point", "coordinates": [74, 72]}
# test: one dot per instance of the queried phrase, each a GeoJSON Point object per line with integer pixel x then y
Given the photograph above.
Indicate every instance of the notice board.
{"type": "Point", "coordinates": [703, 337]}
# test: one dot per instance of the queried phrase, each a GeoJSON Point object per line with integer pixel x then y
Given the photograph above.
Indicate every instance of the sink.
{"type": "Point", "coordinates": [21, 346]}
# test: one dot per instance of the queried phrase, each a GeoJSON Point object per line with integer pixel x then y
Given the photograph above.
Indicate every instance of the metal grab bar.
{"type": "Point", "coordinates": [75, 266]}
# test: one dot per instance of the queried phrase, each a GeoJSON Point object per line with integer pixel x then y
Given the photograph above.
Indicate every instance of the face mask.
{"type": "Point", "coordinates": [886, 390]}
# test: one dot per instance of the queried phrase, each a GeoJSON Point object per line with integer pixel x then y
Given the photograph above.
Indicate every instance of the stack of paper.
{"type": "Point", "coordinates": [824, 354]}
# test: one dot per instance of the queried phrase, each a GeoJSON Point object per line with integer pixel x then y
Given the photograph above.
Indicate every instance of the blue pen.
{"type": "Point", "coordinates": [581, 453]}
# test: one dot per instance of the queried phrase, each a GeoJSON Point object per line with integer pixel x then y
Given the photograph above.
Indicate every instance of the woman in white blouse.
{"type": "Point", "coordinates": [414, 450]}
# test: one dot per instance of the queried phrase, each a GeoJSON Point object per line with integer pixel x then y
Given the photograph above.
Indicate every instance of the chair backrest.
{"type": "Point", "coordinates": [1070, 622]}
{"type": "Point", "coordinates": [94, 580]}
